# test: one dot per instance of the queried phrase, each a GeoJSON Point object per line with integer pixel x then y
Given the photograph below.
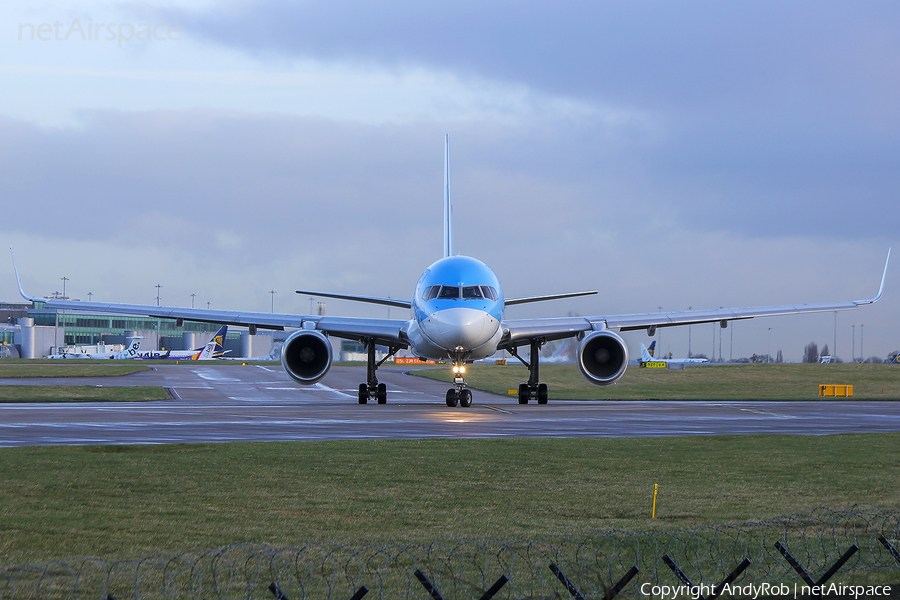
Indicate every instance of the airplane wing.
{"type": "Point", "coordinates": [389, 332]}
{"type": "Point", "coordinates": [384, 331]}
{"type": "Point", "coordinates": [522, 331]}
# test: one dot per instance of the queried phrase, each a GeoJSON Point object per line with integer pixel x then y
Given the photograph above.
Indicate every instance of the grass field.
{"type": "Point", "coordinates": [707, 382]}
{"type": "Point", "coordinates": [80, 393]}
{"type": "Point", "coordinates": [73, 368]}
{"type": "Point", "coordinates": [134, 501]}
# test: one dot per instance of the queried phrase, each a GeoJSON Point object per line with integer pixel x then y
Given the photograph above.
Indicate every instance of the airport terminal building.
{"type": "Point", "coordinates": [33, 331]}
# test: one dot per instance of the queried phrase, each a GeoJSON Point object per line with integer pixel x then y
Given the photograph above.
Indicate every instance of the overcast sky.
{"type": "Point", "coordinates": [670, 155]}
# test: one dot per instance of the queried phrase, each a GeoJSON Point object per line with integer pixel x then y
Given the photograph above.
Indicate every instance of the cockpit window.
{"type": "Point", "coordinates": [490, 293]}
{"type": "Point", "coordinates": [471, 292]}
{"type": "Point", "coordinates": [449, 292]}
{"type": "Point", "coordinates": [431, 292]}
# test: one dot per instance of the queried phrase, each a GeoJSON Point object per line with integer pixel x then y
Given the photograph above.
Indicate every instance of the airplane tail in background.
{"type": "Point", "coordinates": [131, 350]}
{"type": "Point", "coordinates": [215, 347]}
{"type": "Point", "coordinates": [448, 207]}
{"type": "Point", "coordinates": [647, 353]}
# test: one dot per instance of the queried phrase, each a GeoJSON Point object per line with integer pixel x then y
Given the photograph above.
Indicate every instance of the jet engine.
{"type": "Point", "coordinates": [602, 357]}
{"type": "Point", "coordinates": [306, 356]}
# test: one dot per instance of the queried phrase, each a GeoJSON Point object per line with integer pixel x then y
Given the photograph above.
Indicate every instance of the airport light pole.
{"type": "Point", "coordinates": [273, 292]}
{"type": "Point", "coordinates": [90, 296]}
{"type": "Point", "coordinates": [157, 286]}
{"type": "Point", "coordinates": [769, 347]}
{"type": "Point", "coordinates": [862, 356]}
{"type": "Point", "coordinates": [689, 338]}
{"type": "Point", "coordinates": [64, 280]}
{"type": "Point", "coordinates": [192, 299]}
{"type": "Point", "coordinates": [834, 345]}
{"type": "Point", "coordinates": [853, 356]}
{"type": "Point", "coordinates": [659, 339]}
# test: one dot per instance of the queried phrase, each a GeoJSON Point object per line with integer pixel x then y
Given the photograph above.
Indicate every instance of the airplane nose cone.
{"type": "Point", "coordinates": [460, 327]}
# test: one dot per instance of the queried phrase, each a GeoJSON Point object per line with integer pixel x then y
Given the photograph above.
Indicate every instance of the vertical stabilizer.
{"type": "Point", "coordinates": [448, 207]}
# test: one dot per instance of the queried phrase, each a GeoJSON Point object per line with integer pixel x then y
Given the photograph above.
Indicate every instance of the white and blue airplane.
{"type": "Point", "coordinates": [456, 315]}
{"type": "Point", "coordinates": [647, 355]}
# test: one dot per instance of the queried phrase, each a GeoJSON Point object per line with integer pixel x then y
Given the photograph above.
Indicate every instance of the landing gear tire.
{"type": "Point", "coordinates": [542, 393]}
{"type": "Point", "coordinates": [382, 394]}
{"type": "Point", "coordinates": [465, 398]}
{"type": "Point", "coordinates": [452, 398]}
{"type": "Point", "coordinates": [363, 393]}
{"type": "Point", "coordinates": [524, 393]}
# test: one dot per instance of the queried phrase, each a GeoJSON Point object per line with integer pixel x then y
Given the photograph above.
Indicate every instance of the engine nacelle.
{"type": "Point", "coordinates": [306, 356]}
{"type": "Point", "coordinates": [602, 357]}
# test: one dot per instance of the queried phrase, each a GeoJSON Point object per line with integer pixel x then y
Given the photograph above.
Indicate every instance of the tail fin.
{"type": "Point", "coordinates": [207, 353]}
{"type": "Point", "coordinates": [131, 350]}
{"type": "Point", "coordinates": [215, 347]}
{"type": "Point", "coordinates": [645, 355]}
{"type": "Point", "coordinates": [652, 347]}
{"type": "Point", "coordinates": [448, 207]}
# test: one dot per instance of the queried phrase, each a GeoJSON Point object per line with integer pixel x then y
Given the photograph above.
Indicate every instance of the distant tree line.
{"type": "Point", "coordinates": [811, 355]}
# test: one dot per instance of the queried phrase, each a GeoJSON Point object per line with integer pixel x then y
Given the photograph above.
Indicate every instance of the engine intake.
{"type": "Point", "coordinates": [306, 356]}
{"type": "Point", "coordinates": [602, 357]}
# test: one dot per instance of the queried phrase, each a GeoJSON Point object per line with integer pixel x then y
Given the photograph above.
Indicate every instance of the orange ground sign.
{"type": "Point", "coordinates": [410, 360]}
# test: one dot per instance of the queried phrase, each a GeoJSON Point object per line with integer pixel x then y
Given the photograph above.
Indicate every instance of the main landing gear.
{"type": "Point", "coordinates": [533, 390]}
{"type": "Point", "coordinates": [459, 393]}
{"type": "Point", "coordinates": [373, 389]}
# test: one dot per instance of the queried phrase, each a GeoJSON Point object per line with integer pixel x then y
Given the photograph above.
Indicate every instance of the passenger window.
{"type": "Point", "coordinates": [489, 293]}
{"type": "Point", "coordinates": [449, 292]}
{"type": "Point", "coordinates": [471, 292]}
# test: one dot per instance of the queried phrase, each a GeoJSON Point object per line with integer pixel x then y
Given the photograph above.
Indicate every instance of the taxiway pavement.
{"type": "Point", "coordinates": [227, 403]}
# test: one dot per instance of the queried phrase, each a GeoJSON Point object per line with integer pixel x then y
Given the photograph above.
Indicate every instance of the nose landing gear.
{"type": "Point", "coordinates": [459, 393]}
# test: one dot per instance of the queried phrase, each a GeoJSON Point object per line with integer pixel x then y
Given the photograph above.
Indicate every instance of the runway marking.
{"type": "Point", "coordinates": [172, 391]}
{"type": "Point", "coordinates": [756, 410]}
{"type": "Point", "coordinates": [211, 375]}
{"type": "Point", "coordinates": [508, 412]}
{"type": "Point", "coordinates": [267, 369]}
{"type": "Point", "coordinates": [329, 389]}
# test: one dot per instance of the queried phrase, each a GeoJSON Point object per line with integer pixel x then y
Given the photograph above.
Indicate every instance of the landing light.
{"type": "Point", "coordinates": [459, 369]}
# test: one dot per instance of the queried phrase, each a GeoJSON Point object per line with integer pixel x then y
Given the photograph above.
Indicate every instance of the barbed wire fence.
{"type": "Point", "coordinates": [586, 565]}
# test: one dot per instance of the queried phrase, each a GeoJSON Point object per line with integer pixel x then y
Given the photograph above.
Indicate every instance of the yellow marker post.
{"type": "Point", "coordinates": [655, 488]}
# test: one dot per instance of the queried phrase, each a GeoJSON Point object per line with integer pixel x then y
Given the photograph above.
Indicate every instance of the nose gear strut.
{"type": "Point", "coordinates": [459, 393]}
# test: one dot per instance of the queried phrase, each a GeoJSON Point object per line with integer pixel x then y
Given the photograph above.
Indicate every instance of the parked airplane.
{"type": "Point", "coordinates": [130, 351]}
{"type": "Point", "coordinates": [212, 349]}
{"type": "Point", "coordinates": [457, 315]}
{"type": "Point", "coordinates": [647, 356]}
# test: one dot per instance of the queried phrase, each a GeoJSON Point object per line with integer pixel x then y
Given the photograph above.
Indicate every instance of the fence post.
{"type": "Point", "coordinates": [890, 547]}
{"type": "Point", "coordinates": [802, 572]}
{"type": "Point", "coordinates": [716, 590]}
{"type": "Point", "coordinates": [279, 595]}
{"type": "Point", "coordinates": [612, 593]}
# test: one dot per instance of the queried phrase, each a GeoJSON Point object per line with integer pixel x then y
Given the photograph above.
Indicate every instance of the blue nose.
{"type": "Point", "coordinates": [465, 328]}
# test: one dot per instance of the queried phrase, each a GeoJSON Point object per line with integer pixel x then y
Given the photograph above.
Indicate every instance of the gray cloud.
{"type": "Point", "coordinates": [770, 119]}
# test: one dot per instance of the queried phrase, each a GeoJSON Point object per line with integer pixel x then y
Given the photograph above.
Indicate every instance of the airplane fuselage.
{"type": "Point", "coordinates": [456, 309]}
